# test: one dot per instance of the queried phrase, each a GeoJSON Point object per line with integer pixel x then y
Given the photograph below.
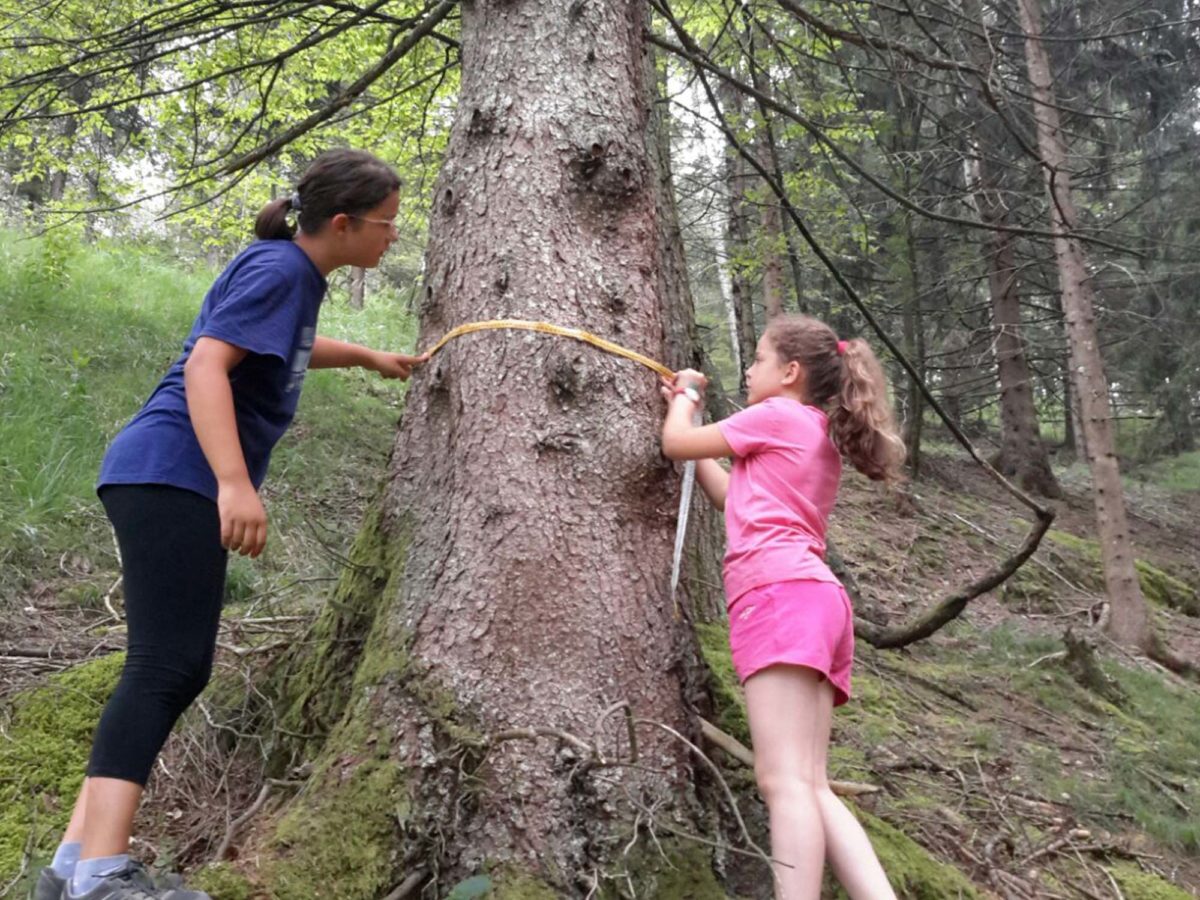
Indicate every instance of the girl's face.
{"type": "Point", "coordinates": [770, 376]}
{"type": "Point", "coordinates": [371, 233]}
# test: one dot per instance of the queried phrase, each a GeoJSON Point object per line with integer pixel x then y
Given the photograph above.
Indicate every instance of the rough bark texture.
{"type": "Point", "coordinates": [737, 238]}
{"type": "Point", "coordinates": [1023, 455]}
{"type": "Point", "coordinates": [527, 489]}
{"type": "Point", "coordinates": [358, 287]}
{"type": "Point", "coordinates": [1128, 621]}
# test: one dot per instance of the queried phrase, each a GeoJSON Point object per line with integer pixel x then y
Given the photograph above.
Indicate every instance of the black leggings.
{"type": "Point", "coordinates": [174, 577]}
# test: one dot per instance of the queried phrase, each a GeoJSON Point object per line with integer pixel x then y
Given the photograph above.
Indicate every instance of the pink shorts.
{"type": "Point", "coordinates": [798, 623]}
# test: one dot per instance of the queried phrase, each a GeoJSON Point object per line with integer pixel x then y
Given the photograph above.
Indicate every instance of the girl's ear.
{"type": "Point", "coordinates": [340, 223]}
{"type": "Point", "coordinates": [793, 373]}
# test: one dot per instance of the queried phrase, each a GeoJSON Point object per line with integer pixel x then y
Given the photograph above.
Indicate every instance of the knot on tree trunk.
{"type": "Point", "coordinates": [606, 167]}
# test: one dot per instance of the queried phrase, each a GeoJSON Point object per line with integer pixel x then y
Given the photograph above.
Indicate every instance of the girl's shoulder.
{"type": "Point", "coordinates": [276, 263]}
{"type": "Point", "coordinates": [787, 408]}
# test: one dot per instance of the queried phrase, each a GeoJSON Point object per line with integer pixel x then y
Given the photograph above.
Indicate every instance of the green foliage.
{"type": "Point", "coordinates": [42, 759]}
{"type": "Point", "coordinates": [727, 690]}
{"type": "Point", "coordinates": [221, 881]}
{"type": "Point", "coordinates": [86, 348]}
{"type": "Point", "coordinates": [471, 888]}
{"type": "Point", "coordinates": [1138, 885]}
{"type": "Point", "coordinates": [1177, 473]}
{"type": "Point", "coordinates": [1158, 586]}
{"type": "Point", "coordinates": [913, 873]}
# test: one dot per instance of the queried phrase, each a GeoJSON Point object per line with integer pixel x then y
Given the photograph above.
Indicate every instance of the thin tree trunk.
{"type": "Point", "coordinates": [737, 239]}
{"type": "Point", "coordinates": [776, 237]}
{"type": "Point", "coordinates": [1128, 621]}
{"type": "Point", "coordinates": [771, 241]}
{"type": "Point", "coordinates": [1023, 454]}
{"type": "Point", "coordinates": [358, 286]}
{"type": "Point", "coordinates": [914, 348]}
{"type": "Point", "coordinates": [726, 284]}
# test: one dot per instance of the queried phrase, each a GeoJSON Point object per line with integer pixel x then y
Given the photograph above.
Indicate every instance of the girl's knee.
{"type": "Point", "coordinates": [176, 681]}
{"type": "Point", "coordinates": [784, 786]}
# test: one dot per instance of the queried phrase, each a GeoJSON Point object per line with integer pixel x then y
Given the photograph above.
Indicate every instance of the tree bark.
{"type": "Point", "coordinates": [1128, 621]}
{"type": "Point", "coordinates": [1023, 454]}
{"type": "Point", "coordinates": [523, 541]}
{"type": "Point", "coordinates": [737, 239]}
{"type": "Point", "coordinates": [358, 286]}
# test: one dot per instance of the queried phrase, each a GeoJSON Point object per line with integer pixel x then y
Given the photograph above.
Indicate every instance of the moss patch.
{"type": "Point", "coordinates": [1138, 885]}
{"type": "Point", "coordinates": [42, 758]}
{"type": "Point", "coordinates": [513, 885]}
{"type": "Point", "coordinates": [1159, 587]}
{"type": "Point", "coordinates": [222, 881]}
{"type": "Point", "coordinates": [671, 870]}
{"type": "Point", "coordinates": [340, 839]}
{"type": "Point", "coordinates": [914, 874]}
{"type": "Point", "coordinates": [314, 684]}
{"type": "Point", "coordinates": [727, 690]}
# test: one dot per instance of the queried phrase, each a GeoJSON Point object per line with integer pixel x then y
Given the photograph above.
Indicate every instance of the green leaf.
{"type": "Point", "coordinates": [473, 887]}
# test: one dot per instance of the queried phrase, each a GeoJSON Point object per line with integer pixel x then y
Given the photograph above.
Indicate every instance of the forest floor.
{"type": "Point", "coordinates": [1013, 778]}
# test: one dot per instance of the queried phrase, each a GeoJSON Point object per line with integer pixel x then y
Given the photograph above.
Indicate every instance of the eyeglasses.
{"type": "Point", "coordinates": [390, 223]}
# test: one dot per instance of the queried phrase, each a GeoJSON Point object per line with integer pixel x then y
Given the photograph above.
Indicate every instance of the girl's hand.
{"type": "Point", "coordinates": [395, 365]}
{"type": "Point", "coordinates": [243, 519]}
{"type": "Point", "coordinates": [666, 388]}
{"type": "Point", "coordinates": [691, 378]}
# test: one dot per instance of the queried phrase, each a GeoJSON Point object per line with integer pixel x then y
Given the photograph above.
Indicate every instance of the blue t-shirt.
{"type": "Point", "coordinates": [266, 302]}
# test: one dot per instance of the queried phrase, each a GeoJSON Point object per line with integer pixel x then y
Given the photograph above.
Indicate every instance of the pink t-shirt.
{"type": "Point", "coordinates": [781, 490]}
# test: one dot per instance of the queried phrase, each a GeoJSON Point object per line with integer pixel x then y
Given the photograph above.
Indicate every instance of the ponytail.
{"type": "Point", "coordinates": [862, 423]}
{"type": "Point", "coordinates": [272, 223]}
{"type": "Point", "coordinates": [338, 181]}
{"type": "Point", "coordinates": [846, 379]}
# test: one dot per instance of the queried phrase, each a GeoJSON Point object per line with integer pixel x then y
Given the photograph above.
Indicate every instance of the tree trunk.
{"type": "Point", "coordinates": [358, 286]}
{"type": "Point", "coordinates": [721, 250]}
{"type": "Point", "coordinates": [1023, 454]}
{"type": "Point", "coordinates": [914, 349]}
{"type": "Point", "coordinates": [1128, 621]}
{"type": "Point", "coordinates": [737, 239]}
{"type": "Point", "coordinates": [512, 589]}
{"type": "Point", "coordinates": [771, 241]}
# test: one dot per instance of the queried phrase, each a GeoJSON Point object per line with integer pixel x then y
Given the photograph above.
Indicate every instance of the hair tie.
{"type": "Point", "coordinates": [294, 201]}
{"type": "Point", "coordinates": [841, 347]}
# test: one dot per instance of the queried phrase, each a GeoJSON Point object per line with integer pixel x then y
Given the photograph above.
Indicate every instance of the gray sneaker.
{"type": "Point", "coordinates": [133, 883]}
{"type": "Point", "coordinates": [49, 886]}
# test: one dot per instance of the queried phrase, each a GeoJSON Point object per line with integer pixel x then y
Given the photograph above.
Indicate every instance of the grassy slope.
{"type": "Point", "coordinates": [87, 336]}
{"type": "Point", "coordinates": [992, 757]}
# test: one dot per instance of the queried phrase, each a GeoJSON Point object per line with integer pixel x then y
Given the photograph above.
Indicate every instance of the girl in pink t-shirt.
{"type": "Point", "coordinates": [812, 400]}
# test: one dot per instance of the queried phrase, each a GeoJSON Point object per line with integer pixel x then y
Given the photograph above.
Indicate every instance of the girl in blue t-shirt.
{"type": "Point", "coordinates": [180, 486]}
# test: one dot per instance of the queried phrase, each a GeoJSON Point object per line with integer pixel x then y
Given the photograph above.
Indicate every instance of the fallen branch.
{"type": "Point", "coordinates": [745, 755]}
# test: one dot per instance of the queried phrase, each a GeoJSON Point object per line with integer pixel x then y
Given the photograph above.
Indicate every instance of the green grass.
{"type": "Point", "coordinates": [89, 330]}
{"type": "Point", "coordinates": [1176, 473]}
{"type": "Point", "coordinates": [1149, 769]}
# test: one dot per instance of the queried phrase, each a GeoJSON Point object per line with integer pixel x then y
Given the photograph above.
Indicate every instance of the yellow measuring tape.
{"type": "Point", "coordinates": [689, 469]}
{"type": "Point", "coordinates": [546, 328]}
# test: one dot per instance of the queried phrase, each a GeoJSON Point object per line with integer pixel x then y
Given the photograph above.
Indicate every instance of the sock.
{"type": "Point", "coordinates": [65, 858]}
{"type": "Point", "coordinates": [90, 872]}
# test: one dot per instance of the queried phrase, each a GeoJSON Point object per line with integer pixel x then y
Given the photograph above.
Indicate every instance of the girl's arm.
{"type": "Point", "coordinates": [330, 354]}
{"type": "Point", "coordinates": [680, 438]}
{"type": "Point", "coordinates": [714, 481]}
{"type": "Point", "coordinates": [683, 440]}
{"type": "Point", "coordinates": [210, 407]}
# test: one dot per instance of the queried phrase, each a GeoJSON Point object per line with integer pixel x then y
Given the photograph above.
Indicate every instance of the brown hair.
{"type": "Point", "coordinates": [850, 386]}
{"type": "Point", "coordinates": [338, 181]}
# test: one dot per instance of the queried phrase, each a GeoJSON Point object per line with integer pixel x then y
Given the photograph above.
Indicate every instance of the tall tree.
{"type": "Point", "coordinates": [1129, 620]}
{"type": "Point", "coordinates": [525, 595]}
